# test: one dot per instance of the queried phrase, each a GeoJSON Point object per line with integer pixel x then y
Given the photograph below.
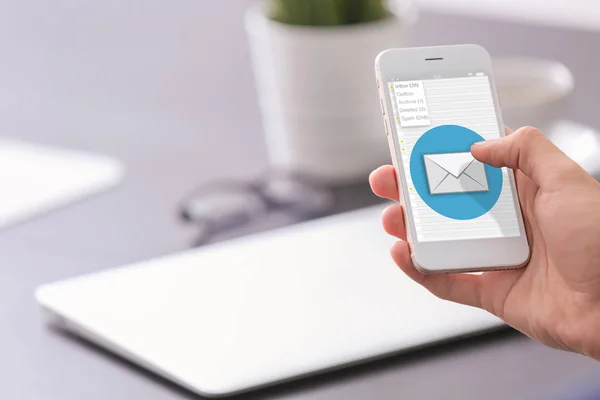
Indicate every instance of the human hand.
{"type": "Point", "coordinates": [555, 299]}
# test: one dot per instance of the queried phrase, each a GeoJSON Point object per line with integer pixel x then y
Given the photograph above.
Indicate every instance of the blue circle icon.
{"type": "Point", "coordinates": [448, 179]}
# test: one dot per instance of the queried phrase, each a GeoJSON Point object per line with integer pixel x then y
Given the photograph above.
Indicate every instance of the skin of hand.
{"type": "Point", "coordinates": [555, 299]}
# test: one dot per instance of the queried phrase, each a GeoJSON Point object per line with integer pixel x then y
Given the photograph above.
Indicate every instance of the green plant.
{"type": "Point", "coordinates": [326, 12]}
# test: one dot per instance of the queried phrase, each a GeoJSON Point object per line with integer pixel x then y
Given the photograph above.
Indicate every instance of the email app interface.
{"type": "Point", "coordinates": [452, 195]}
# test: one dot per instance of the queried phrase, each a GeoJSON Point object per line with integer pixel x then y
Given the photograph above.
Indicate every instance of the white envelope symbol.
{"type": "Point", "coordinates": [455, 173]}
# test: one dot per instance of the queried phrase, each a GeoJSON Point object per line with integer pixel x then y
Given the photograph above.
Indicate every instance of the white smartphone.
{"type": "Point", "coordinates": [461, 215]}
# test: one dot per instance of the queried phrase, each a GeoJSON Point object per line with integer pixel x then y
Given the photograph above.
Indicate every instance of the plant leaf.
{"type": "Point", "coordinates": [326, 12]}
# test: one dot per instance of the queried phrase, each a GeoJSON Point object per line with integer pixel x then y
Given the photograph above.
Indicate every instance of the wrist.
{"type": "Point", "coordinates": [588, 333]}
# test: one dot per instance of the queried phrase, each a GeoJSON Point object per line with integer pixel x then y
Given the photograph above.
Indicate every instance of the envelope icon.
{"type": "Point", "coordinates": [454, 173]}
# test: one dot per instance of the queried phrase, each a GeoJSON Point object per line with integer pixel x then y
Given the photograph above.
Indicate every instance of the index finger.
{"type": "Point", "coordinates": [383, 182]}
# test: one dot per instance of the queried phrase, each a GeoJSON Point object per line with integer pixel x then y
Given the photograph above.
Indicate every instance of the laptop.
{"type": "Point", "coordinates": [251, 312]}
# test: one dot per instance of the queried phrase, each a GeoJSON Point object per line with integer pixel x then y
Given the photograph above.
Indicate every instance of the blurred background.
{"type": "Point", "coordinates": [226, 119]}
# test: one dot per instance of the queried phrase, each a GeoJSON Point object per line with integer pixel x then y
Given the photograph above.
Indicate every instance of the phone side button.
{"type": "Point", "coordinates": [387, 129]}
{"type": "Point", "coordinates": [381, 105]}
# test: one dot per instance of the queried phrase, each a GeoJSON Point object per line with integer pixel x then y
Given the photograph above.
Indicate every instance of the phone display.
{"type": "Point", "coordinates": [452, 195]}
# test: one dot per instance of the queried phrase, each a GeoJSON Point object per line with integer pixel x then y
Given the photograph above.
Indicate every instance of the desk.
{"type": "Point", "coordinates": [150, 82]}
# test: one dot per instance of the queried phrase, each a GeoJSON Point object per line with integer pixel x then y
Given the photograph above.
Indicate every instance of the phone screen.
{"type": "Point", "coordinates": [452, 196]}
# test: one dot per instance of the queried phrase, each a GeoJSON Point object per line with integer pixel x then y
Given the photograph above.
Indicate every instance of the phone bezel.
{"type": "Point", "coordinates": [453, 255]}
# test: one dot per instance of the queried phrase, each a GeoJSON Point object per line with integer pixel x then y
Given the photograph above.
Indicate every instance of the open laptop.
{"type": "Point", "coordinates": [251, 312]}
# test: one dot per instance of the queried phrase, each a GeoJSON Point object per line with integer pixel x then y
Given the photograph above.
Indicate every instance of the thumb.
{"type": "Point", "coordinates": [528, 150]}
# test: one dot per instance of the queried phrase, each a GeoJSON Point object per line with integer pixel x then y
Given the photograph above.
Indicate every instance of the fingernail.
{"type": "Point", "coordinates": [371, 175]}
{"type": "Point", "coordinates": [483, 144]}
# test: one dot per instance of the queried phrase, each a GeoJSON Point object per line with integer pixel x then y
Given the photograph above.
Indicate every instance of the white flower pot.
{"type": "Point", "coordinates": [317, 92]}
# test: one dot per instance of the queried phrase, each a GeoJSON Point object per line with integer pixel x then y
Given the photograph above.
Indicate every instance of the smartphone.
{"type": "Point", "coordinates": [461, 215]}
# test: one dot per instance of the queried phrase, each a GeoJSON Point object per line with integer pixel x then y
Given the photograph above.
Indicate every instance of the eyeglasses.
{"type": "Point", "coordinates": [218, 208]}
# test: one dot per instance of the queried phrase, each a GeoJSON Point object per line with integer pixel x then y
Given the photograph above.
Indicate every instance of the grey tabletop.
{"type": "Point", "coordinates": [167, 87]}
